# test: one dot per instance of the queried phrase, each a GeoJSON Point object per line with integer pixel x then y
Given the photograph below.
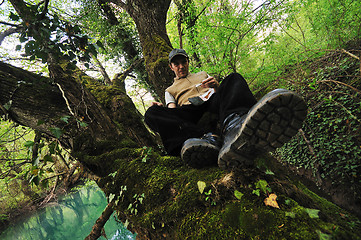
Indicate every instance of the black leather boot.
{"type": "Point", "coordinates": [201, 152]}
{"type": "Point", "coordinates": [270, 123]}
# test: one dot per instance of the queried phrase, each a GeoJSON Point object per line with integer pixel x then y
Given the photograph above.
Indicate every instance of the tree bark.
{"type": "Point", "coordinates": [31, 98]}
{"type": "Point", "coordinates": [100, 222]}
{"type": "Point", "coordinates": [35, 101]}
{"type": "Point", "coordinates": [150, 19]}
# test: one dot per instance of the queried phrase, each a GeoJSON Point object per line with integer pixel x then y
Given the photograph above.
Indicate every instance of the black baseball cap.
{"type": "Point", "coordinates": [176, 52]}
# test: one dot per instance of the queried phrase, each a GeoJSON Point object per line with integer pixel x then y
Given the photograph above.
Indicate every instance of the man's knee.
{"type": "Point", "coordinates": [234, 80]}
{"type": "Point", "coordinates": [235, 76]}
{"type": "Point", "coordinates": [151, 112]}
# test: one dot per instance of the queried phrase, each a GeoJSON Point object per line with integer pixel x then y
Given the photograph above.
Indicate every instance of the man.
{"type": "Point", "coordinates": [248, 127]}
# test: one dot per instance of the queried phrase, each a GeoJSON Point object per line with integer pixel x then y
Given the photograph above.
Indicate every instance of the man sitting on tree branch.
{"type": "Point", "coordinates": [247, 127]}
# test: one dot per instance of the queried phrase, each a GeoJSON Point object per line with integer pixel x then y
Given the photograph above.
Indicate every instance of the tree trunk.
{"type": "Point", "coordinates": [35, 101]}
{"type": "Point", "coordinates": [150, 19]}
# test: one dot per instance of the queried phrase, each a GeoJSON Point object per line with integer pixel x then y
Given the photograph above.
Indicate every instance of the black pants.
{"type": "Point", "coordinates": [176, 125]}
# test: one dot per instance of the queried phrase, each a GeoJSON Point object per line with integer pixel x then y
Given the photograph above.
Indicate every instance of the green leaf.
{"type": "Point", "coordinates": [238, 194]}
{"type": "Point", "coordinates": [40, 122]}
{"type": "Point", "coordinates": [36, 161]}
{"type": "Point", "coordinates": [323, 236]}
{"type": "Point", "coordinates": [257, 192]}
{"type": "Point", "coordinates": [290, 214]}
{"type": "Point", "coordinates": [100, 44]}
{"type": "Point", "coordinates": [71, 65]}
{"type": "Point", "coordinates": [13, 16]}
{"type": "Point", "coordinates": [201, 186]}
{"type": "Point", "coordinates": [111, 197]}
{"type": "Point", "coordinates": [65, 119]}
{"type": "Point", "coordinates": [126, 224]}
{"type": "Point", "coordinates": [56, 131]}
{"type": "Point", "coordinates": [30, 47]}
{"type": "Point", "coordinates": [34, 179]}
{"type": "Point", "coordinates": [29, 144]}
{"type": "Point", "coordinates": [269, 172]}
{"type": "Point", "coordinates": [313, 213]}
{"type": "Point", "coordinates": [262, 184]}
{"type": "Point", "coordinates": [8, 105]}
{"type": "Point", "coordinates": [83, 124]}
{"type": "Point", "coordinates": [18, 47]}
{"type": "Point", "coordinates": [52, 147]}
{"type": "Point", "coordinates": [76, 29]}
{"type": "Point", "coordinates": [48, 158]}
{"type": "Point", "coordinates": [45, 183]}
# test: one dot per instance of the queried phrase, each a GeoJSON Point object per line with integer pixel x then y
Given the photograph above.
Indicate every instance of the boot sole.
{"type": "Point", "coordinates": [198, 154]}
{"type": "Point", "coordinates": [273, 121]}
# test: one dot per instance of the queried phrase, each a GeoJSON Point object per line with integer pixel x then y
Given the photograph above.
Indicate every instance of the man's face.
{"type": "Point", "coordinates": [180, 66]}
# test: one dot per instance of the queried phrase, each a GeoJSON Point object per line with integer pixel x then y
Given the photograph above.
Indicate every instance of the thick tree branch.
{"type": "Point", "coordinates": [100, 222]}
{"type": "Point", "coordinates": [9, 24]}
{"type": "Point", "coordinates": [8, 32]}
{"type": "Point", "coordinates": [25, 13]}
{"type": "Point", "coordinates": [101, 69]}
{"type": "Point", "coordinates": [45, 9]}
{"type": "Point", "coordinates": [32, 98]}
{"type": "Point", "coordinates": [120, 77]}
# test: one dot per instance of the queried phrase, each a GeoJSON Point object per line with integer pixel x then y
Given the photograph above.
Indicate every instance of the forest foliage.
{"type": "Point", "coordinates": [303, 45]}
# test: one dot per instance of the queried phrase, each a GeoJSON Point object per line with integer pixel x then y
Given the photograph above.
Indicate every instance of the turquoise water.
{"type": "Point", "coordinates": [72, 218]}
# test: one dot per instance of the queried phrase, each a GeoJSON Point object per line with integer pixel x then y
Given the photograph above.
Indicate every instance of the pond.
{"type": "Point", "coordinates": [72, 218]}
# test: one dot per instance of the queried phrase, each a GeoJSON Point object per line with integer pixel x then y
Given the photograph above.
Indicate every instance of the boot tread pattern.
{"type": "Point", "coordinates": [198, 156]}
{"type": "Point", "coordinates": [273, 121]}
{"type": "Point", "coordinates": [276, 121]}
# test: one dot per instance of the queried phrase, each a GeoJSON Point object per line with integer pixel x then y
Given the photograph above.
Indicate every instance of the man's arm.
{"type": "Point", "coordinates": [170, 100]}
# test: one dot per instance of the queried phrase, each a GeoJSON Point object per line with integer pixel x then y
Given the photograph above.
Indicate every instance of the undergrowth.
{"type": "Point", "coordinates": [329, 143]}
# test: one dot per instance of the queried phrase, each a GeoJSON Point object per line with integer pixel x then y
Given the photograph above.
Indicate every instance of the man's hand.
{"type": "Point", "coordinates": [210, 83]}
{"type": "Point", "coordinates": [172, 105]}
{"type": "Point", "coordinates": [157, 103]}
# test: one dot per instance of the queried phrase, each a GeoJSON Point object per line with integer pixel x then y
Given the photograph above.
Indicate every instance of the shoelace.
{"type": "Point", "coordinates": [232, 121]}
{"type": "Point", "coordinates": [212, 138]}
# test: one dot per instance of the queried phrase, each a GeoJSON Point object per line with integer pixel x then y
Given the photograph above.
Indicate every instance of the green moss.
{"type": "Point", "coordinates": [104, 94]}
{"type": "Point", "coordinates": [156, 49]}
{"type": "Point", "coordinates": [197, 225]}
{"type": "Point", "coordinates": [174, 204]}
{"type": "Point", "coordinates": [332, 212]}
